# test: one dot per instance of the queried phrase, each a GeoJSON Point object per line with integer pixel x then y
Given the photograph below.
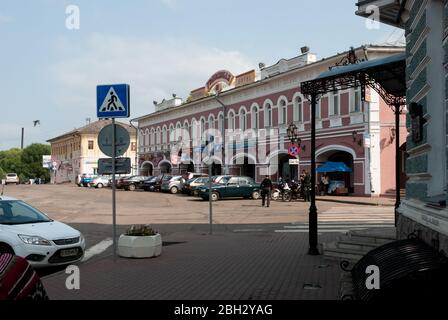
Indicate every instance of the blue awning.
{"type": "Point", "coordinates": [333, 167]}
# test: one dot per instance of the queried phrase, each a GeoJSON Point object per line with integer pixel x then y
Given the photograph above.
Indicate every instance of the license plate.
{"type": "Point", "coordinates": [69, 252]}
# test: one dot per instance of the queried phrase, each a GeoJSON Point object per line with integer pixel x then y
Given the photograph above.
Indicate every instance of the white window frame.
{"type": "Point", "coordinates": [282, 112]}
{"type": "Point", "coordinates": [268, 115]}
{"type": "Point", "coordinates": [255, 117]}
{"type": "Point", "coordinates": [243, 119]}
{"type": "Point", "coordinates": [231, 120]}
{"type": "Point", "coordinates": [298, 109]}
{"type": "Point", "coordinates": [332, 97]}
{"type": "Point", "coordinates": [353, 94]}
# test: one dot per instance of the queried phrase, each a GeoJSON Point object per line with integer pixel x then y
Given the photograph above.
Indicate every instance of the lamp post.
{"type": "Point", "coordinates": [293, 134]}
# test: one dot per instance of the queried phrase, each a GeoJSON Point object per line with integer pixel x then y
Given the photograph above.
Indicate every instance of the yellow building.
{"type": "Point", "coordinates": [77, 152]}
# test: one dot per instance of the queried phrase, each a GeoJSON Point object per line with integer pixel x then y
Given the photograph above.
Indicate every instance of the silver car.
{"type": "Point", "coordinates": [100, 182]}
{"type": "Point", "coordinates": [173, 185]}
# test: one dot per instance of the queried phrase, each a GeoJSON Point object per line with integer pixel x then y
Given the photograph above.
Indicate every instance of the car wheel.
{"type": "Point", "coordinates": [215, 196]}
{"type": "Point", "coordinates": [99, 185]}
{"type": "Point", "coordinates": [131, 187]}
{"type": "Point", "coordinates": [4, 248]}
{"type": "Point", "coordinates": [256, 195]}
{"type": "Point", "coordinates": [174, 190]}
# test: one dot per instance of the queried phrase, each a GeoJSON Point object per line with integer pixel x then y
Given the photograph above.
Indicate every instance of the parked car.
{"type": "Point", "coordinates": [119, 181]}
{"type": "Point", "coordinates": [152, 184]}
{"type": "Point", "coordinates": [100, 182]}
{"type": "Point", "coordinates": [191, 186]}
{"type": "Point", "coordinates": [86, 179]}
{"type": "Point", "coordinates": [191, 175]}
{"type": "Point", "coordinates": [133, 183]}
{"type": "Point", "coordinates": [29, 233]}
{"type": "Point", "coordinates": [12, 178]}
{"type": "Point", "coordinates": [173, 185]}
{"type": "Point", "coordinates": [244, 187]}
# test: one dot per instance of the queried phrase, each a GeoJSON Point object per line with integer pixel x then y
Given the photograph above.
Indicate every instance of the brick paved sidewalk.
{"type": "Point", "coordinates": [222, 266]}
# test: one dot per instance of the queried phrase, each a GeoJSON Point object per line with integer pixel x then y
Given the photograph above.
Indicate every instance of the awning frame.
{"type": "Point", "coordinates": [386, 76]}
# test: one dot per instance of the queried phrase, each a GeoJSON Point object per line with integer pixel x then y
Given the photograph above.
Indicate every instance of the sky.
{"type": "Point", "coordinates": [49, 70]}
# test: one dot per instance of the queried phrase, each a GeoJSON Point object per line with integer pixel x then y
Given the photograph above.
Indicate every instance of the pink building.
{"type": "Point", "coordinates": [263, 104]}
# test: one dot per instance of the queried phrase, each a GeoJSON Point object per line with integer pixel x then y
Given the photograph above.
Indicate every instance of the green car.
{"type": "Point", "coordinates": [233, 187]}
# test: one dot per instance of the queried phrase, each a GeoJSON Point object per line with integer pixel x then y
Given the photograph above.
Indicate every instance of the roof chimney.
{"type": "Point", "coordinates": [305, 49]}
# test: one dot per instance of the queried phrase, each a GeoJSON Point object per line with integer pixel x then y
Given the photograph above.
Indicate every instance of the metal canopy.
{"type": "Point", "coordinates": [386, 76]}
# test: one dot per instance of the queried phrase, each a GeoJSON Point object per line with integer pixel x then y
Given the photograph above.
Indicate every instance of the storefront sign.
{"type": "Point", "coordinates": [294, 162]}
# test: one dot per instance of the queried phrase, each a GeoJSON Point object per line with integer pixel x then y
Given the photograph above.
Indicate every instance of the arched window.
{"type": "Point", "coordinates": [268, 115]}
{"type": "Point", "coordinates": [202, 125]}
{"type": "Point", "coordinates": [221, 123]}
{"type": "Point", "coordinates": [158, 136]}
{"type": "Point", "coordinates": [255, 119]}
{"type": "Point", "coordinates": [243, 119]}
{"type": "Point", "coordinates": [211, 122]}
{"type": "Point", "coordinates": [298, 109]}
{"type": "Point", "coordinates": [231, 120]}
{"type": "Point", "coordinates": [171, 133]}
{"type": "Point", "coordinates": [164, 137]}
{"type": "Point", "coordinates": [152, 138]}
{"type": "Point", "coordinates": [282, 112]}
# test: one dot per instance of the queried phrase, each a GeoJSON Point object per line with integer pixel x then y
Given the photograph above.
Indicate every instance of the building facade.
{"type": "Point", "coordinates": [251, 113]}
{"type": "Point", "coordinates": [77, 152]}
{"type": "Point", "coordinates": [425, 23]}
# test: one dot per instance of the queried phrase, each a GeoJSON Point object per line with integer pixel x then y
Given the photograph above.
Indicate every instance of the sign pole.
{"type": "Point", "coordinates": [210, 206]}
{"type": "Point", "coordinates": [114, 213]}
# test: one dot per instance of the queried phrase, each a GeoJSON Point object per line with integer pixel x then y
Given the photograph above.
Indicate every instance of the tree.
{"type": "Point", "coordinates": [31, 159]}
{"type": "Point", "coordinates": [27, 163]}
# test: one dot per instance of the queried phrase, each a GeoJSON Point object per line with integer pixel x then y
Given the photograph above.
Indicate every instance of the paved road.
{"type": "Point", "coordinates": [89, 210]}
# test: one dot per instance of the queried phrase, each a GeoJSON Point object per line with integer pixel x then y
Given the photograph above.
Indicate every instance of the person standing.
{"type": "Point", "coordinates": [325, 182]}
{"type": "Point", "coordinates": [266, 187]}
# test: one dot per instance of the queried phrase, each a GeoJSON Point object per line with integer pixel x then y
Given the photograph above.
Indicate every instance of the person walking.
{"type": "Point", "coordinates": [307, 187]}
{"type": "Point", "coordinates": [266, 187]}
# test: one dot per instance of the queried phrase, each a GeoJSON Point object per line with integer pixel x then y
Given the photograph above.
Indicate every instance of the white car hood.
{"type": "Point", "coordinates": [48, 230]}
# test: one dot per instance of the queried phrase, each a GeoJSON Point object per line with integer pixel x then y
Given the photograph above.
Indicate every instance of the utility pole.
{"type": "Point", "coordinates": [21, 140]}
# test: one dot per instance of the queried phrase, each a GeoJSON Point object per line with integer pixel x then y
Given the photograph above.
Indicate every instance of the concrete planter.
{"type": "Point", "coordinates": [140, 247]}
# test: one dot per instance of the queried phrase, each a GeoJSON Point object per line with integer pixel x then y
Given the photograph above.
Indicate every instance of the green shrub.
{"type": "Point", "coordinates": [141, 231]}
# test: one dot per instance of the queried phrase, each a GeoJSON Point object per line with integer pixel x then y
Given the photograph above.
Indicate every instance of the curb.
{"type": "Point", "coordinates": [356, 202]}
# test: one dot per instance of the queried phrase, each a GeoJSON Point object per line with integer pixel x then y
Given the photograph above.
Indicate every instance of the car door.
{"type": "Point", "coordinates": [245, 189]}
{"type": "Point", "coordinates": [232, 188]}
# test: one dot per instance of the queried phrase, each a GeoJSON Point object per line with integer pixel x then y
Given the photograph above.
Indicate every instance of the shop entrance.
{"type": "Point", "coordinates": [146, 169]}
{"type": "Point", "coordinates": [340, 179]}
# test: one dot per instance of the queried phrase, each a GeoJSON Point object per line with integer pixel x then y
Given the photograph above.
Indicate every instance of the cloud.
{"type": "Point", "coordinates": [154, 70]}
{"type": "Point", "coordinates": [5, 19]}
{"type": "Point", "coordinates": [172, 4]}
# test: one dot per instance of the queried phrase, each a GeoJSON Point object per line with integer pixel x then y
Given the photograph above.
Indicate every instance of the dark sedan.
{"type": "Point", "coordinates": [234, 187]}
{"type": "Point", "coordinates": [134, 183]}
{"type": "Point", "coordinates": [155, 183]}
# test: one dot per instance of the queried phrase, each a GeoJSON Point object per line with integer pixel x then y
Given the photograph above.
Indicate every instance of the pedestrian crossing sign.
{"type": "Point", "coordinates": [112, 101]}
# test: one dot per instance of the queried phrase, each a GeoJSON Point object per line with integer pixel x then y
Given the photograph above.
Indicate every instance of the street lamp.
{"type": "Point", "coordinates": [293, 134]}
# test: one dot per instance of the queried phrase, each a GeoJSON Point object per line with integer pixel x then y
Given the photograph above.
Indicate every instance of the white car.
{"type": "Point", "coordinates": [12, 178]}
{"type": "Point", "coordinates": [29, 233]}
{"type": "Point", "coordinates": [100, 182]}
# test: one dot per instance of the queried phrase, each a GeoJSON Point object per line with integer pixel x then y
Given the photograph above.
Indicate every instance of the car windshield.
{"type": "Point", "coordinates": [18, 212]}
{"type": "Point", "coordinates": [11, 175]}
